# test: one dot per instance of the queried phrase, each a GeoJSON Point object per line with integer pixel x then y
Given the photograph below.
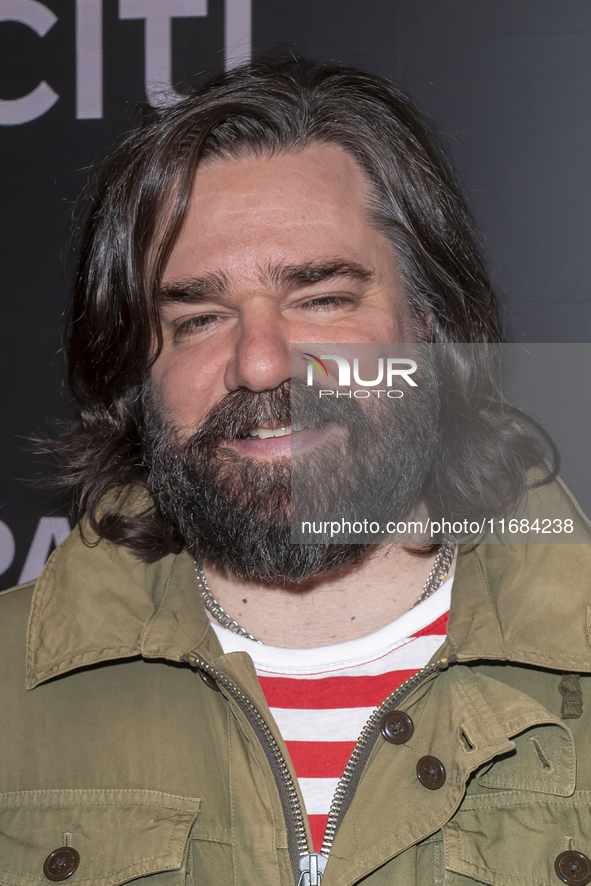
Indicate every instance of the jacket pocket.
{"type": "Point", "coordinates": [512, 838]}
{"type": "Point", "coordinates": [118, 835]}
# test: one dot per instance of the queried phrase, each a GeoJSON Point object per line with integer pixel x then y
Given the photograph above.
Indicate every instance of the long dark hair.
{"type": "Point", "coordinates": [137, 203]}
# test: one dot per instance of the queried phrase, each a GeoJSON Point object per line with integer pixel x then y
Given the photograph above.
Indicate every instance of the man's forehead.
{"type": "Point", "coordinates": [288, 214]}
{"type": "Point", "coordinates": [317, 163]}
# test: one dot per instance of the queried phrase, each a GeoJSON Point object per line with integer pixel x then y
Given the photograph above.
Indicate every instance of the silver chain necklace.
{"type": "Point", "coordinates": [439, 570]}
{"type": "Point", "coordinates": [218, 612]}
{"type": "Point", "coordinates": [438, 574]}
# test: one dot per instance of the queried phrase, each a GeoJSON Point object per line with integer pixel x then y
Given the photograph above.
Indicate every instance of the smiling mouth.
{"type": "Point", "coordinates": [283, 440]}
{"type": "Point", "coordinates": [266, 433]}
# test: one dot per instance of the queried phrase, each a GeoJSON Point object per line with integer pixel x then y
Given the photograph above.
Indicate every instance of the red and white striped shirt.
{"type": "Point", "coordinates": [321, 698]}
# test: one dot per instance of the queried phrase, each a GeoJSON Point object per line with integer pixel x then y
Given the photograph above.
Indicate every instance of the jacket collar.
{"type": "Point", "coordinates": [527, 603]}
{"type": "Point", "coordinates": [97, 602]}
{"type": "Point", "coordinates": [524, 603]}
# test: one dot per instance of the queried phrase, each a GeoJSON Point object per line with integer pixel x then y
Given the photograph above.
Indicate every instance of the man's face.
{"type": "Point", "coordinates": [274, 250]}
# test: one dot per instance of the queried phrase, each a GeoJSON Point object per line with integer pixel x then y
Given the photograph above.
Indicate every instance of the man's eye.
{"type": "Point", "coordinates": [194, 323]}
{"type": "Point", "coordinates": [327, 302]}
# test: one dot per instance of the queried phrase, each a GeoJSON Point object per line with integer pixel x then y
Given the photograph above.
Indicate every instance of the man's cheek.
{"type": "Point", "coordinates": [184, 397]}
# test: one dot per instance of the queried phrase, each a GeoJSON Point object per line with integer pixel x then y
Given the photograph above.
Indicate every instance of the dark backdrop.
{"type": "Point", "coordinates": [508, 82]}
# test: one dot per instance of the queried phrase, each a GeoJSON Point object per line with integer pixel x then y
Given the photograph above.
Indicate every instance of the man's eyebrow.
{"type": "Point", "coordinates": [298, 276]}
{"type": "Point", "coordinates": [195, 289]}
{"type": "Point", "coordinates": [217, 286]}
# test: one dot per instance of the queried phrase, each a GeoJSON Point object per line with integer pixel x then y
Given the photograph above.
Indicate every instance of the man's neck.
{"type": "Point", "coordinates": [331, 608]}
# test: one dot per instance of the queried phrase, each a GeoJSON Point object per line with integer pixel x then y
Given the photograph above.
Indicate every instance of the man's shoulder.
{"type": "Point", "coordinates": [15, 604]}
{"type": "Point", "coordinates": [17, 590]}
{"type": "Point", "coordinates": [15, 607]}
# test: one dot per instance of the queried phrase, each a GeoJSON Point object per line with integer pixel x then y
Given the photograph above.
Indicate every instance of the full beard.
{"type": "Point", "coordinates": [236, 511]}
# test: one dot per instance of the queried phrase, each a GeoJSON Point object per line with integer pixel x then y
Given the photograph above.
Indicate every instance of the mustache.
{"type": "Point", "coordinates": [242, 410]}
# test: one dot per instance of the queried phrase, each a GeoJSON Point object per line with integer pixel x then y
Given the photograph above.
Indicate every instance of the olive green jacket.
{"type": "Point", "coordinates": [111, 743]}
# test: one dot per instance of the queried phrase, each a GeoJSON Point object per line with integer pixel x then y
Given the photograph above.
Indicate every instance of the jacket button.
{"type": "Point", "coordinates": [397, 727]}
{"type": "Point", "coordinates": [61, 864]}
{"type": "Point", "coordinates": [573, 867]}
{"type": "Point", "coordinates": [209, 681]}
{"type": "Point", "coordinates": [431, 773]}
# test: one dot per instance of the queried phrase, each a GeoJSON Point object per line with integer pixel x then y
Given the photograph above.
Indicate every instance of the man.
{"type": "Point", "coordinates": [280, 205]}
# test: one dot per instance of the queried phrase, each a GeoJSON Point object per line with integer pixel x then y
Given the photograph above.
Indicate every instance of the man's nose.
{"type": "Point", "coordinates": [262, 354]}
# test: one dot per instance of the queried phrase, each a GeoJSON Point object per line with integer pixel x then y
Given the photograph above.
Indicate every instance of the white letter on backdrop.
{"type": "Point", "coordinates": [89, 59]}
{"type": "Point", "coordinates": [237, 37]}
{"type": "Point", "coordinates": [6, 547]}
{"type": "Point", "coordinates": [38, 17]}
{"type": "Point", "coordinates": [51, 531]}
{"type": "Point", "coordinates": [157, 15]}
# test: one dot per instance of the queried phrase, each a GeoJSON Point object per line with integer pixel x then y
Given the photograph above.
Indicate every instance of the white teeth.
{"type": "Point", "coordinates": [265, 433]}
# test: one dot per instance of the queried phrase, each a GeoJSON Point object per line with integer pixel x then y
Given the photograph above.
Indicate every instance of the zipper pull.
{"type": "Point", "coordinates": [312, 867]}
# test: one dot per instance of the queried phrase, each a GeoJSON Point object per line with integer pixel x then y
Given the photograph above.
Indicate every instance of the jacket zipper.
{"type": "Point", "coordinates": [349, 780]}
{"type": "Point", "coordinates": [297, 840]}
{"type": "Point", "coordinates": [308, 866]}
